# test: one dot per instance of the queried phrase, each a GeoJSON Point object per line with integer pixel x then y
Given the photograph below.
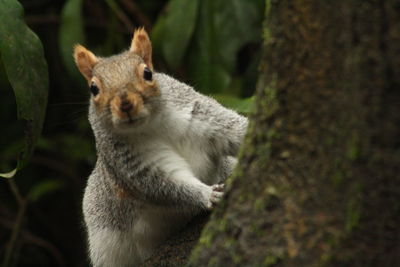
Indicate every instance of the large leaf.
{"type": "Point", "coordinates": [237, 25]}
{"type": "Point", "coordinates": [222, 29]}
{"type": "Point", "coordinates": [243, 106]}
{"type": "Point", "coordinates": [43, 188]}
{"type": "Point", "coordinates": [71, 32]}
{"type": "Point", "coordinates": [210, 33]}
{"type": "Point", "coordinates": [26, 68]}
{"type": "Point", "coordinates": [206, 70]}
{"type": "Point", "coordinates": [179, 26]}
{"type": "Point", "coordinates": [157, 36]}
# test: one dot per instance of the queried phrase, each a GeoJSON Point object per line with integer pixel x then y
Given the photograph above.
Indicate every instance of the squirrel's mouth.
{"type": "Point", "coordinates": [132, 121]}
{"type": "Point", "coordinates": [126, 123]}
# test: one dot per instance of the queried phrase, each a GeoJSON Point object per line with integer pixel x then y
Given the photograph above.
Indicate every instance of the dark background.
{"type": "Point", "coordinates": [213, 45]}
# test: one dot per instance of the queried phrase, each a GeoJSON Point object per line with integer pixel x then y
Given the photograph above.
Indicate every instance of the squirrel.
{"type": "Point", "coordinates": [163, 153]}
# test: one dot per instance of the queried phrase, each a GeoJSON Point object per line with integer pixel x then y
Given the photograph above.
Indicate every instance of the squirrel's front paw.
{"type": "Point", "coordinates": [216, 195]}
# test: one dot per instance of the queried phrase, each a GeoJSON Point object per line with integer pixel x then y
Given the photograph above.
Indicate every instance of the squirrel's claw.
{"type": "Point", "coordinates": [218, 187]}
{"type": "Point", "coordinates": [216, 195]}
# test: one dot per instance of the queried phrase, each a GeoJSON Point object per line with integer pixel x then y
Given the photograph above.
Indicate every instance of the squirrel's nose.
{"type": "Point", "coordinates": [126, 106]}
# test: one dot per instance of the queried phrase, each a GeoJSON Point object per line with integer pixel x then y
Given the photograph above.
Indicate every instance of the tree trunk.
{"type": "Point", "coordinates": [318, 179]}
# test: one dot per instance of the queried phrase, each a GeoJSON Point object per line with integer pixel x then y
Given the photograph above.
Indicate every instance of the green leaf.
{"type": "Point", "coordinates": [114, 39]}
{"type": "Point", "coordinates": [240, 105]}
{"type": "Point", "coordinates": [9, 174]}
{"type": "Point", "coordinates": [71, 32]}
{"type": "Point", "coordinates": [222, 30]}
{"type": "Point", "coordinates": [43, 188]}
{"type": "Point", "coordinates": [26, 68]}
{"type": "Point", "coordinates": [206, 72]}
{"type": "Point", "coordinates": [157, 36]}
{"type": "Point", "coordinates": [179, 26]}
{"type": "Point", "coordinates": [237, 24]}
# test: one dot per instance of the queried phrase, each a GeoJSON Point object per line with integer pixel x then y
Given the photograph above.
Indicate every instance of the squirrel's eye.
{"type": "Point", "coordinates": [147, 74]}
{"type": "Point", "coordinates": [94, 89]}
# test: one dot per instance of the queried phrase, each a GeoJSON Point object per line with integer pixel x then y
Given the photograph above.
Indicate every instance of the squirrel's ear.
{"type": "Point", "coordinates": [141, 46]}
{"type": "Point", "coordinates": [85, 61]}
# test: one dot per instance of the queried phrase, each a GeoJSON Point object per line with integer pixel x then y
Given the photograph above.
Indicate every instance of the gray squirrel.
{"type": "Point", "coordinates": [163, 151]}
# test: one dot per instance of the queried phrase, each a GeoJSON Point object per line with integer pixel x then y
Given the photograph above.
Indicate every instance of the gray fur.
{"type": "Point", "coordinates": [125, 231]}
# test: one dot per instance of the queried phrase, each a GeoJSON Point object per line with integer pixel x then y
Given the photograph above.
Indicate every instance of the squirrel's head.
{"type": "Point", "coordinates": [123, 91]}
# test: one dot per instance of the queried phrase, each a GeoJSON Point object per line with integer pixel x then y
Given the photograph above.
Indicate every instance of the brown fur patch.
{"type": "Point", "coordinates": [137, 102]}
{"type": "Point", "coordinates": [141, 46]}
{"type": "Point", "coordinates": [146, 88]}
{"type": "Point", "coordinates": [116, 82]}
{"type": "Point", "coordinates": [132, 97]}
{"type": "Point", "coordinates": [85, 61]}
{"type": "Point", "coordinates": [121, 193]}
{"type": "Point", "coordinates": [102, 98]}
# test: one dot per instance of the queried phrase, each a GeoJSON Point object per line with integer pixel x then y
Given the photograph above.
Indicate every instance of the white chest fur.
{"type": "Point", "coordinates": [179, 142]}
{"type": "Point", "coordinates": [196, 154]}
{"type": "Point", "coordinates": [189, 140]}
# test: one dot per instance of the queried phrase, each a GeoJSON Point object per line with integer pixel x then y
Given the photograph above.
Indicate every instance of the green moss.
{"type": "Point", "coordinates": [237, 174]}
{"type": "Point", "coordinates": [259, 204]}
{"type": "Point", "coordinates": [213, 261]}
{"type": "Point", "coordinates": [353, 150]}
{"type": "Point", "coordinates": [242, 198]}
{"type": "Point", "coordinates": [326, 258]}
{"type": "Point", "coordinates": [267, 8]}
{"type": "Point", "coordinates": [222, 224]}
{"type": "Point", "coordinates": [273, 133]}
{"type": "Point", "coordinates": [337, 178]}
{"type": "Point", "coordinates": [237, 258]}
{"type": "Point", "coordinates": [206, 238]}
{"type": "Point", "coordinates": [229, 242]}
{"type": "Point", "coordinates": [271, 260]}
{"type": "Point", "coordinates": [264, 152]}
{"type": "Point", "coordinates": [353, 215]}
{"type": "Point", "coordinates": [266, 35]}
{"type": "Point", "coordinates": [269, 104]}
{"type": "Point", "coordinates": [329, 140]}
{"type": "Point", "coordinates": [329, 256]}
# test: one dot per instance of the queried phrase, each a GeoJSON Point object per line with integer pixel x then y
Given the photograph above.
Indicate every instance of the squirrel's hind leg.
{"type": "Point", "coordinates": [110, 247]}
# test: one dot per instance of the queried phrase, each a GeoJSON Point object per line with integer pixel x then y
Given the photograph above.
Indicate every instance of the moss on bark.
{"type": "Point", "coordinates": [318, 180]}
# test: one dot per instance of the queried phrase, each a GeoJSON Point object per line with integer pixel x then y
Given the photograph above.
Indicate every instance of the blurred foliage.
{"type": "Point", "coordinates": [26, 69]}
{"type": "Point", "coordinates": [212, 45]}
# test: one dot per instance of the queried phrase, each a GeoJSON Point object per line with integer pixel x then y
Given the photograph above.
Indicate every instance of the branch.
{"type": "Point", "coordinates": [176, 250]}
{"type": "Point", "coordinates": [22, 203]}
{"type": "Point", "coordinates": [29, 237]}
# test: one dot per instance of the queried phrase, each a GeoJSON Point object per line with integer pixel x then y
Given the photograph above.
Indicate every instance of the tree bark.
{"type": "Point", "coordinates": [318, 180]}
{"type": "Point", "coordinates": [176, 251]}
